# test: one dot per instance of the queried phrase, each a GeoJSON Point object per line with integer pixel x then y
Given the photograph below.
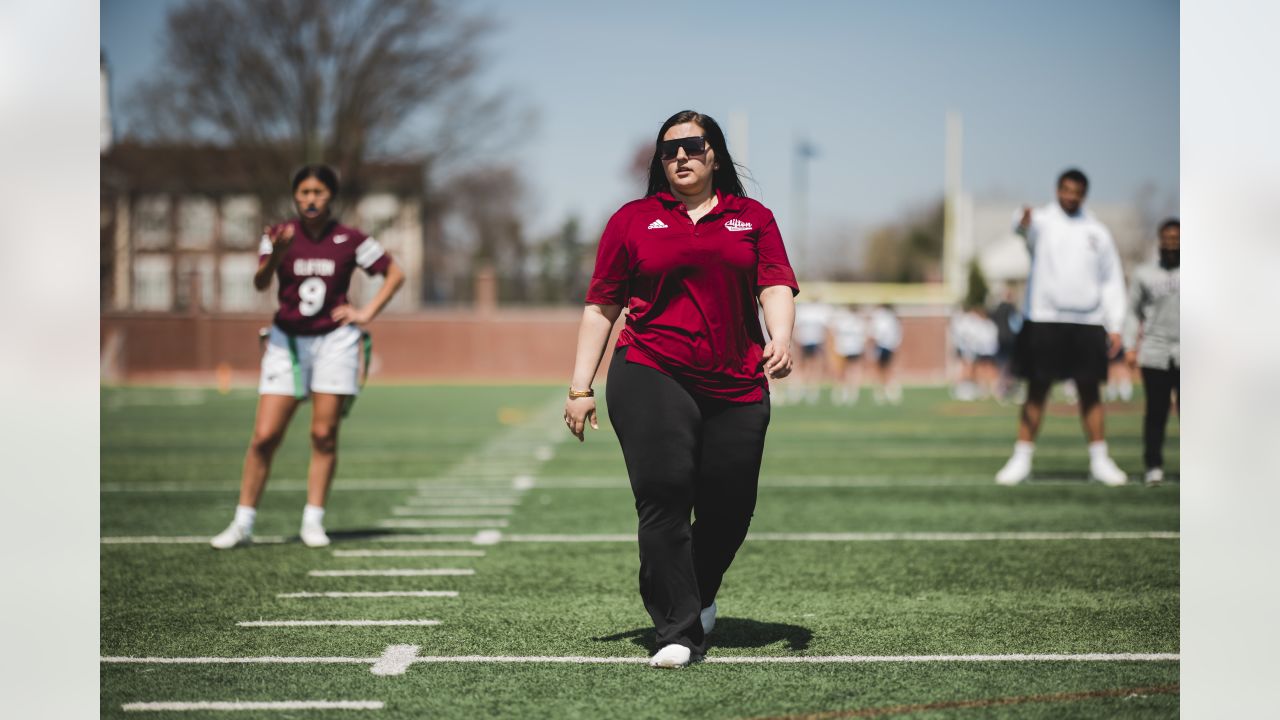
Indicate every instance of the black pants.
{"type": "Point", "coordinates": [684, 453]}
{"type": "Point", "coordinates": [1160, 387]}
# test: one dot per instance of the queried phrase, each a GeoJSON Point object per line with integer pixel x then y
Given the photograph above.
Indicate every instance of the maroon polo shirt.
{"type": "Point", "coordinates": [315, 274]}
{"type": "Point", "coordinates": [690, 289]}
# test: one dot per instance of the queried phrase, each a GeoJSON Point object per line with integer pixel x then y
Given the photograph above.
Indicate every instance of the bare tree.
{"type": "Point", "coordinates": [487, 202]}
{"type": "Point", "coordinates": [294, 81]}
{"type": "Point", "coordinates": [907, 250]}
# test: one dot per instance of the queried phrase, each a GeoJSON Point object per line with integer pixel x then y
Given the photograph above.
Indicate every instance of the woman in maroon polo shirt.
{"type": "Point", "coordinates": [688, 392]}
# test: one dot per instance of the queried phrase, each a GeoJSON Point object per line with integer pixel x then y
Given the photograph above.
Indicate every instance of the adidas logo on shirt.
{"type": "Point", "coordinates": [657, 225]}
{"type": "Point", "coordinates": [736, 225]}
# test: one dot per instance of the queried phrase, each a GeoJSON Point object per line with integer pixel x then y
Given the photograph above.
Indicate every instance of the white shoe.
{"type": "Point", "coordinates": [1154, 476]}
{"type": "Point", "coordinates": [1015, 471]}
{"type": "Point", "coordinates": [234, 536]}
{"type": "Point", "coordinates": [1104, 470]}
{"type": "Point", "coordinates": [708, 618]}
{"type": "Point", "coordinates": [313, 535]}
{"type": "Point", "coordinates": [672, 656]}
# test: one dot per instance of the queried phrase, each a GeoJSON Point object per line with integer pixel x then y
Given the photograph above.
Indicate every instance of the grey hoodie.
{"type": "Point", "coordinates": [1153, 308]}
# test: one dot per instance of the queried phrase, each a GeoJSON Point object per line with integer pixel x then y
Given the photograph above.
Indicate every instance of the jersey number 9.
{"type": "Point", "coordinates": [311, 296]}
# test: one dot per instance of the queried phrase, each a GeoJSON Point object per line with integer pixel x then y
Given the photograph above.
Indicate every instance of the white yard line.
{"type": "Point", "coordinates": [336, 623]}
{"type": "Point", "coordinates": [394, 572]}
{"type": "Point", "coordinates": [426, 538]}
{"type": "Point", "coordinates": [201, 540]}
{"type": "Point", "coordinates": [428, 524]}
{"type": "Point", "coordinates": [620, 483]}
{"type": "Point", "coordinates": [372, 594]}
{"type": "Point", "coordinates": [280, 485]}
{"type": "Point", "coordinates": [451, 511]}
{"type": "Point", "coordinates": [493, 537]}
{"type": "Point", "coordinates": [181, 540]}
{"type": "Point", "coordinates": [269, 660]}
{"type": "Point", "coordinates": [499, 492]}
{"type": "Point", "coordinates": [963, 537]}
{"type": "Point", "coordinates": [406, 553]}
{"type": "Point", "coordinates": [233, 705]}
{"type": "Point", "coordinates": [871, 537]}
{"type": "Point", "coordinates": [467, 501]}
{"type": "Point", "coordinates": [397, 658]}
{"type": "Point", "coordinates": [500, 484]}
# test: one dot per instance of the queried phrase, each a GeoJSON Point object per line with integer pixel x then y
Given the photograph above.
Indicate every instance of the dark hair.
{"type": "Point", "coordinates": [323, 173]}
{"type": "Point", "coordinates": [1074, 175]}
{"type": "Point", "coordinates": [725, 175]}
{"type": "Point", "coordinates": [1170, 223]}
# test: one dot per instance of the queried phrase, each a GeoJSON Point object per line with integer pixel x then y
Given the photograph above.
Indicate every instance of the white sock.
{"type": "Point", "coordinates": [312, 514]}
{"type": "Point", "coordinates": [245, 516]}
{"type": "Point", "coordinates": [1024, 449]}
{"type": "Point", "coordinates": [1098, 451]}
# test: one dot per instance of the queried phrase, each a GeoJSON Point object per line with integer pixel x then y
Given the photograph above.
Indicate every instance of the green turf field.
{"type": "Point", "coordinates": [879, 543]}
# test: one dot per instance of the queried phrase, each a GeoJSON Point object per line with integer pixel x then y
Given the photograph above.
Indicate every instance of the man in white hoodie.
{"type": "Point", "coordinates": [1074, 311]}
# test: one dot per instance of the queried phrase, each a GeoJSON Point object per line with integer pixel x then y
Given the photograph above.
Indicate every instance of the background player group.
{"type": "Point", "coordinates": [1077, 327]}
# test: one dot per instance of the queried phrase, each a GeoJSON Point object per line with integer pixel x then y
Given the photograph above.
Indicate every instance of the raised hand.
{"type": "Point", "coordinates": [281, 237]}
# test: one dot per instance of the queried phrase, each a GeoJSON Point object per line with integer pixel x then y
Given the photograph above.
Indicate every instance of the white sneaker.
{"type": "Point", "coordinates": [313, 535]}
{"type": "Point", "coordinates": [1015, 471]}
{"type": "Point", "coordinates": [708, 618]}
{"type": "Point", "coordinates": [234, 536]}
{"type": "Point", "coordinates": [1154, 476]}
{"type": "Point", "coordinates": [1104, 470]}
{"type": "Point", "coordinates": [672, 656]}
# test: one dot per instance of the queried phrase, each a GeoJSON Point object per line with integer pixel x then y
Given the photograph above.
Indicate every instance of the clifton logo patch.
{"type": "Point", "coordinates": [737, 225]}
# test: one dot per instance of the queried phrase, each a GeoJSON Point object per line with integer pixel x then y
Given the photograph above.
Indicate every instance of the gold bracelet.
{"type": "Point", "coordinates": [574, 394]}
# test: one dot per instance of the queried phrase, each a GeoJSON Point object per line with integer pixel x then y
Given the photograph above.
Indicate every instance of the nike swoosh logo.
{"type": "Point", "coordinates": [339, 239]}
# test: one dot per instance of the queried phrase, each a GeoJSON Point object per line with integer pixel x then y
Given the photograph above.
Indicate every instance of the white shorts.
{"type": "Point", "coordinates": [328, 363]}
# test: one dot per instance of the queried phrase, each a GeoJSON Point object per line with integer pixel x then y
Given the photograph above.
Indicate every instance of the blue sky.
{"type": "Point", "coordinates": [1040, 85]}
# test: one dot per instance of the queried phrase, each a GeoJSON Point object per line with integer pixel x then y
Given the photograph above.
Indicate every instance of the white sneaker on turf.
{"type": "Point", "coordinates": [708, 618]}
{"type": "Point", "coordinates": [1015, 471]}
{"type": "Point", "coordinates": [313, 535]}
{"type": "Point", "coordinates": [234, 536]}
{"type": "Point", "coordinates": [1104, 470]}
{"type": "Point", "coordinates": [671, 656]}
{"type": "Point", "coordinates": [1154, 476]}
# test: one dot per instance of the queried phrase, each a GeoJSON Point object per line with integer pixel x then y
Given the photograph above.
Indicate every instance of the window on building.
{"type": "Point", "coordinates": [238, 293]}
{"type": "Point", "coordinates": [152, 282]}
{"type": "Point", "coordinates": [151, 220]}
{"type": "Point", "coordinates": [196, 219]}
{"type": "Point", "coordinates": [193, 269]}
{"type": "Point", "coordinates": [377, 212]}
{"type": "Point", "coordinates": [240, 224]}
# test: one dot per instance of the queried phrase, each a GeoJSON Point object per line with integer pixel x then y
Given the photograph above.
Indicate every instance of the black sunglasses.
{"type": "Point", "coordinates": [693, 147]}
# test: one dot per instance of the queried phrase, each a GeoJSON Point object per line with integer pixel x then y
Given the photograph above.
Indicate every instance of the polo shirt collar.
{"type": "Point", "coordinates": [724, 203]}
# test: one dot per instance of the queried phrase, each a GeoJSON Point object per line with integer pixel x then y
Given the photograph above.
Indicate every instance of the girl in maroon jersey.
{"type": "Point", "coordinates": [688, 392]}
{"type": "Point", "coordinates": [313, 350]}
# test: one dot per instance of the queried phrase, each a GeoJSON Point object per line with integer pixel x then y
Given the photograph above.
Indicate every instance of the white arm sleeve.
{"type": "Point", "coordinates": [368, 253]}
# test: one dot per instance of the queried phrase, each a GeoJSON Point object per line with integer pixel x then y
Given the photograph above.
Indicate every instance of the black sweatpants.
{"type": "Point", "coordinates": [1160, 386]}
{"type": "Point", "coordinates": [684, 453]}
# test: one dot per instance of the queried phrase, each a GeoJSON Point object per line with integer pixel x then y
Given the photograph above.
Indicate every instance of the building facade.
{"type": "Point", "coordinates": [181, 226]}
